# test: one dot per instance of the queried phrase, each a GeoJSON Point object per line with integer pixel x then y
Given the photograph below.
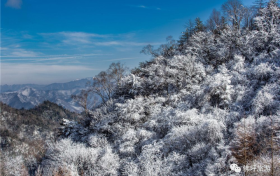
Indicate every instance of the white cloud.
{"type": "Point", "coordinates": [77, 37]}
{"type": "Point", "coordinates": [121, 43]}
{"type": "Point", "coordinates": [3, 48]}
{"type": "Point", "coordinates": [141, 6]}
{"type": "Point", "coordinates": [18, 52]}
{"type": "Point", "coordinates": [64, 59]}
{"type": "Point", "coordinates": [42, 74]}
{"type": "Point", "coordinates": [90, 55]}
{"type": "Point", "coordinates": [38, 59]}
{"type": "Point", "coordinates": [146, 7]}
{"type": "Point", "coordinates": [14, 4]}
{"type": "Point", "coordinates": [27, 36]}
{"type": "Point", "coordinates": [120, 59]}
{"type": "Point", "coordinates": [73, 38]}
{"type": "Point", "coordinates": [24, 53]}
{"type": "Point", "coordinates": [41, 58]}
{"type": "Point", "coordinates": [109, 43]}
{"type": "Point", "coordinates": [92, 39]}
{"type": "Point", "coordinates": [81, 34]}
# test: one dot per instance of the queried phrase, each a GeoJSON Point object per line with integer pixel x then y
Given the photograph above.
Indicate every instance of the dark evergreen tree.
{"type": "Point", "coordinates": [199, 26]}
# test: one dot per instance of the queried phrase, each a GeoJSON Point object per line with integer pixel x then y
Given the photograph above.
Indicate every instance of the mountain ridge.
{"type": "Point", "coordinates": [30, 95]}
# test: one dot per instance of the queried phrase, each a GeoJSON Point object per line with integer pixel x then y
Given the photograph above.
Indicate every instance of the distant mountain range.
{"type": "Point", "coordinates": [30, 95]}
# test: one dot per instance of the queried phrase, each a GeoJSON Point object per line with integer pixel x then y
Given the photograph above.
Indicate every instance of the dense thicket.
{"type": "Point", "coordinates": [24, 134]}
{"type": "Point", "coordinates": [199, 105]}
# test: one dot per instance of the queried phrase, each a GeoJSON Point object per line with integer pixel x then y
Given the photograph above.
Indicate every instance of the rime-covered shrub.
{"type": "Point", "coordinates": [214, 104]}
{"type": "Point", "coordinates": [79, 159]}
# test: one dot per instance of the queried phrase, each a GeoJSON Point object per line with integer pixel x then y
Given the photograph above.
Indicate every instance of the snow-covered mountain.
{"type": "Point", "coordinates": [198, 109]}
{"type": "Point", "coordinates": [30, 95]}
{"type": "Point", "coordinates": [207, 106]}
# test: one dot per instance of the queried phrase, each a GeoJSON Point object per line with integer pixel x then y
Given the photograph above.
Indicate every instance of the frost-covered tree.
{"type": "Point", "coordinates": [77, 159]}
{"type": "Point", "coordinates": [244, 145]}
{"type": "Point", "coordinates": [214, 20]}
{"type": "Point", "coordinates": [235, 11]}
{"type": "Point", "coordinates": [82, 99]}
{"type": "Point", "coordinates": [192, 112]}
{"type": "Point", "coordinates": [267, 36]}
{"type": "Point", "coordinates": [105, 82]}
{"type": "Point", "coordinates": [165, 50]}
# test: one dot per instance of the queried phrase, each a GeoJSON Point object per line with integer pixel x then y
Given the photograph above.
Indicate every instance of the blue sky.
{"type": "Point", "coordinates": [51, 41]}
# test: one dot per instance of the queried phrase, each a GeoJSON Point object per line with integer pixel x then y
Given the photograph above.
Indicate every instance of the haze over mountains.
{"type": "Point", "coordinates": [30, 95]}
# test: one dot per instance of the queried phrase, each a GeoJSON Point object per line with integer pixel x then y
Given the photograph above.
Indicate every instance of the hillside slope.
{"type": "Point", "coordinates": [212, 103]}
{"type": "Point", "coordinates": [24, 134]}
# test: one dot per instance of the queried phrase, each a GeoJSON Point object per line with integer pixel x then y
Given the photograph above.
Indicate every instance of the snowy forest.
{"type": "Point", "coordinates": [206, 104]}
